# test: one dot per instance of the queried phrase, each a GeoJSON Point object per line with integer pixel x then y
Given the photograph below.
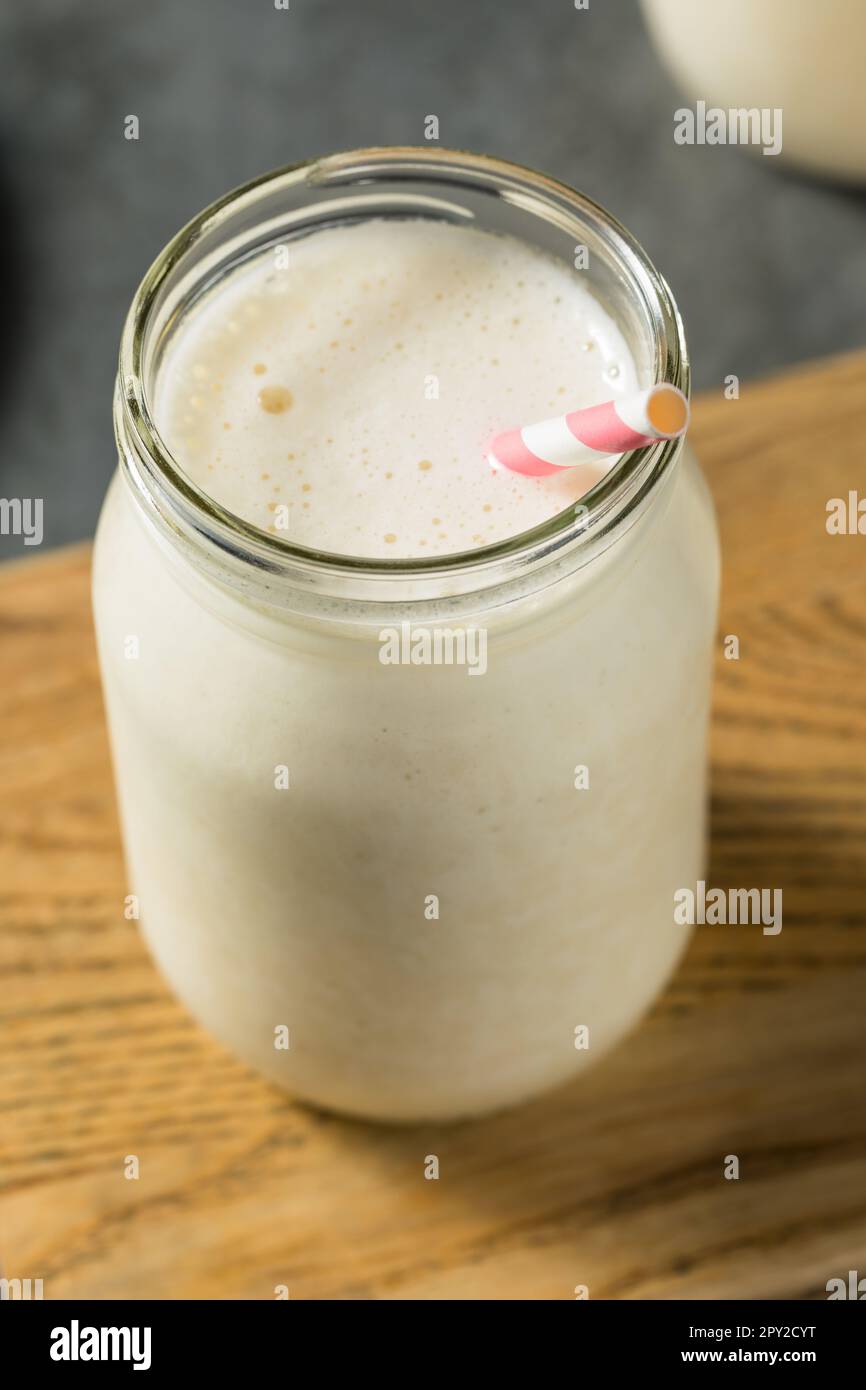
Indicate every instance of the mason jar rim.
{"type": "Point", "coordinates": [236, 550]}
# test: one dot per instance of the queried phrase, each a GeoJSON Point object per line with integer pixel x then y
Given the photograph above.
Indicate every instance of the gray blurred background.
{"type": "Point", "coordinates": [768, 267]}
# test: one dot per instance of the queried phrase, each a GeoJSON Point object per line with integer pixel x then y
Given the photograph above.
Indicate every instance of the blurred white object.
{"type": "Point", "coordinates": [805, 56]}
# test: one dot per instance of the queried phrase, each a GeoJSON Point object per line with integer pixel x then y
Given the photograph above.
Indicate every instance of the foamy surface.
{"type": "Point", "coordinates": [344, 400]}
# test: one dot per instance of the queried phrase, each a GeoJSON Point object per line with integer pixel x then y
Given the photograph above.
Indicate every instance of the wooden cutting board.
{"type": "Point", "coordinates": [758, 1048]}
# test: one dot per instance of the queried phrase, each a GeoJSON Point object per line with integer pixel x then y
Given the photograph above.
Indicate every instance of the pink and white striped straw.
{"type": "Point", "coordinates": [583, 436]}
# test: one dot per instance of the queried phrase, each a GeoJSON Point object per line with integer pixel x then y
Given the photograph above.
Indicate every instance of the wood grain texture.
{"type": "Point", "coordinates": [758, 1048]}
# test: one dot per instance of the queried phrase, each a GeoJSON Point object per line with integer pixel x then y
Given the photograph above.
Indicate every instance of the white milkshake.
{"type": "Point", "coordinates": [399, 891]}
{"type": "Point", "coordinates": [795, 56]}
{"type": "Point", "coordinates": [358, 386]}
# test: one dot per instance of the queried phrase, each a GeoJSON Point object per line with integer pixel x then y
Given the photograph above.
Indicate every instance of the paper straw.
{"type": "Point", "coordinates": [583, 436]}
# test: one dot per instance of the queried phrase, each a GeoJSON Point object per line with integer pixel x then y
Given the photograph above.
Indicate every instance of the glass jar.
{"type": "Point", "coordinates": [399, 891]}
{"type": "Point", "coordinates": [794, 56]}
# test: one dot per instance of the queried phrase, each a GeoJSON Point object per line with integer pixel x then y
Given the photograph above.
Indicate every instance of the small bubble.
{"type": "Point", "coordinates": [275, 399]}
